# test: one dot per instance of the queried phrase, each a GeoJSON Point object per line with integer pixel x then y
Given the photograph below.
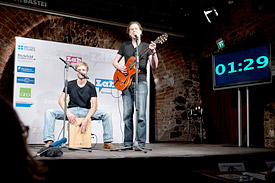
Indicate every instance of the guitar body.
{"type": "Point", "coordinates": [122, 81]}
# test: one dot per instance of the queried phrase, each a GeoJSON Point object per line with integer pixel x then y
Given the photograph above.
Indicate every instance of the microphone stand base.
{"type": "Point", "coordinates": [134, 147]}
{"type": "Point", "coordinates": [78, 149]}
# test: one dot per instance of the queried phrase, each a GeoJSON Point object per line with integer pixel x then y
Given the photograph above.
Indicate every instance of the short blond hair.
{"type": "Point", "coordinates": [78, 64]}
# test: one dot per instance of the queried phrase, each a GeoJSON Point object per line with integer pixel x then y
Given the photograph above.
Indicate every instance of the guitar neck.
{"type": "Point", "coordinates": [144, 53]}
{"type": "Point", "coordinates": [160, 39]}
{"type": "Point", "coordinates": [140, 57]}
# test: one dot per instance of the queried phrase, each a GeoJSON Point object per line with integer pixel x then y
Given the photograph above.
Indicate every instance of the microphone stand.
{"type": "Point", "coordinates": [135, 145]}
{"type": "Point", "coordinates": [67, 65]}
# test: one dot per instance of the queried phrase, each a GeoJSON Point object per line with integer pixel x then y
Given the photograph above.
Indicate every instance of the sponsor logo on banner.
{"type": "Point", "coordinates": [23, 69]}
{"type": "Point", "coordinates": [25, 57]}
{"type": "Point", "coordinates": [25, 93]}
{"type": "Point", "coordinates": [106, 84]}
{"type": "Point", "coordinates": [72, 59]}
{"type": "Point", "coordinates": [25, 80]}
{"type": "Point", "coordinates": [23, 104]}
{"type": "Point", "coordinates": [26, 48]}
{"type": "Point", "coordinates": [20, 47]}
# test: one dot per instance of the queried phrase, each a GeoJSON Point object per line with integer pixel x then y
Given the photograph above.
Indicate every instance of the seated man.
{"type": "Point", "coordinates": [82, 104]}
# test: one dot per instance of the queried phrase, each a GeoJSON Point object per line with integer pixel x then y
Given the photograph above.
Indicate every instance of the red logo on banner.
{"type": "Point", "coordinates": [71, 59]}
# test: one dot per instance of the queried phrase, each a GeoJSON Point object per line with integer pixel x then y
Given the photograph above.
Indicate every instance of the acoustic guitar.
{"type": "Point", "coordinates": [122, 81]}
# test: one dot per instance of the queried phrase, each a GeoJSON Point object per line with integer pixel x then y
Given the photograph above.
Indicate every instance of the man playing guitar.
{"type": "Point", "coordinates": [127, 50]}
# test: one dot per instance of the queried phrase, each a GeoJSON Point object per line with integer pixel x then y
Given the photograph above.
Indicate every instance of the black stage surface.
{"type": "Point", "coordinates": [172, 161]}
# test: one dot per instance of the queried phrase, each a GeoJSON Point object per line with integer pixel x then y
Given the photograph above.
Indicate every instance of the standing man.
{"type": "Point", "coordinates": [82, 104]}
{"type": "Point", "coordinates": [127, 50]}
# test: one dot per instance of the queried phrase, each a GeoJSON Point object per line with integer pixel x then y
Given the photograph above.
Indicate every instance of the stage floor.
{"type": "Point", "coordinates": [171, 149]}
{"type": "Point", "coordinates": [167, 161]}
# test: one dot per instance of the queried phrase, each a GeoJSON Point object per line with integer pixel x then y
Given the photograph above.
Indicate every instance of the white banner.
{"type": "Point", "coordinates": [39, 81]}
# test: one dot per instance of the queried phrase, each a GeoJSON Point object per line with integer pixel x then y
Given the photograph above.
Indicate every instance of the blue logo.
{"type": "Point", "coordinates": [23, 69]}
{"type": "Point", "coordinates": [104, 83]}
{"type": "Point", "coordinates": [26, 48]}
{"type": "Point", "coordinates": [25, 80]}
{"type": "Point", "coordinates": [20, 47]}
{"type": "Point", "coordinates": [21, 104]}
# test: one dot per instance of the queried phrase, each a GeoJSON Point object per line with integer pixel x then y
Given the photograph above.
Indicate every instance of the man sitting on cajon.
{"type": "Point", "coordinates": [82, 104]}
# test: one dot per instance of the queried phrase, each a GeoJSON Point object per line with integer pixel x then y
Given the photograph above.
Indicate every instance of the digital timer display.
{"type": "Point", "coordinates": [243, 68]}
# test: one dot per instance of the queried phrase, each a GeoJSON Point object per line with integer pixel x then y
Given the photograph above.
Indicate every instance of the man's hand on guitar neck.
{"type": "Point", "coordinates": [152, 47]}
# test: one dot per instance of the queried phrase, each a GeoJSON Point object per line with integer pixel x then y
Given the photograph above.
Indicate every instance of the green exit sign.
{"type": "Point", "coordinates": [220, 43]}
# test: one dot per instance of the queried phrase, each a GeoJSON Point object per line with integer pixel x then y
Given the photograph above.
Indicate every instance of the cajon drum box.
{"type": "Point", "coordinates": [78, 139]}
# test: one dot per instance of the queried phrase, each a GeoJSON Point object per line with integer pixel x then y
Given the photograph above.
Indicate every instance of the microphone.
{"type": "Point", "coordinates": [136, 36]}
{"type": "Point", "coordinates": [59, 142]}
{"type": "Point", "coordinates": [86, 77]}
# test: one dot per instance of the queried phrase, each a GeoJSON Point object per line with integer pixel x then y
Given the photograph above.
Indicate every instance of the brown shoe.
{"type": "Point", "coordinates": [108, 146]}
{"type": "Point", "coordinates": [48, 143]}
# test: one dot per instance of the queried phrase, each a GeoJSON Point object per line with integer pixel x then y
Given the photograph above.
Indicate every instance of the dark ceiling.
{"type": "Point", "coordinates": [179, 17]}
{"type": "Point", "coordinates": [170, 15]}
{"type": "Point", "coordinates": [175, 16]}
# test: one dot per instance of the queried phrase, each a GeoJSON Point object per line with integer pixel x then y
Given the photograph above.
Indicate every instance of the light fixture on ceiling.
{"type": "Point", "coordinates": [210, 10]}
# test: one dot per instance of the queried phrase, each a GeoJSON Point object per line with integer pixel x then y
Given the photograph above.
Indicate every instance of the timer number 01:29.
{"type": "Point", "coordinates": [262, 62]}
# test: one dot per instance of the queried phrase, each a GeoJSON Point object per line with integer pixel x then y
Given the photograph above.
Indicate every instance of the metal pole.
{"type": "Point", "coordinates": [239, 118]}
{"type": "Point", "coordinates": [136, 102]}
{"type": "Point", "coordinates": [65, 102]}
{"type": "Point", "coordinates": [247, 116]}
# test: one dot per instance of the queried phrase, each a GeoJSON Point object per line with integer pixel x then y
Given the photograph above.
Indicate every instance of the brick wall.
{"type": "Point", "coordinates": [177, 89]}
{"type": "Point", "coordinates": [176, 80]}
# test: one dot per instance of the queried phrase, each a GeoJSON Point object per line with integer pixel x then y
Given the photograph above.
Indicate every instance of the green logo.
{"type": "Point", "coordinates": [25, 93]}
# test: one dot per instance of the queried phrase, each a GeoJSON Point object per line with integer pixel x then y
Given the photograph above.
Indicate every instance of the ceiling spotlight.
{"type": "Point", "coordinates": [210, 10]}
